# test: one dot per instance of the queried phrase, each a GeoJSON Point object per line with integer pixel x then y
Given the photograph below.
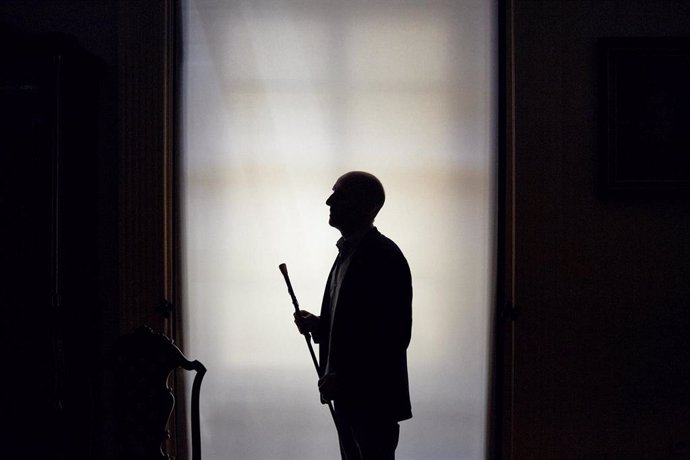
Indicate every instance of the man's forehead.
{"type": "Point", "coordinates": [342, 181]}
{"type": "Point", "coordinates": [345, 179]}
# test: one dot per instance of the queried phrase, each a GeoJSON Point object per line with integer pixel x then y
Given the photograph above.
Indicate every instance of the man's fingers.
{"type": "Point", "coordinates": [301, 326]}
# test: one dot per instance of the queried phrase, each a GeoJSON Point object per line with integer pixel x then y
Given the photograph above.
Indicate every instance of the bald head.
{"type": "Point", "coordinates": [356, 200]}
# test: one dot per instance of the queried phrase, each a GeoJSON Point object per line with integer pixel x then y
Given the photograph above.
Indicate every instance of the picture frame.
{"type": "Point", "coordinates": [646, 114]}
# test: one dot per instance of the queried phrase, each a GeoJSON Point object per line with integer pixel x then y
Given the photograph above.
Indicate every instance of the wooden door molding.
{"type": "Point", "coordinates": [145, 209]}
{"type": "Point", "coordinates": [500, 436]}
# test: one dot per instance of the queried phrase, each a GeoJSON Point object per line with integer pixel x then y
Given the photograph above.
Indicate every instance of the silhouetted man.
{"type": "Point", "coordinates": [365, 325]}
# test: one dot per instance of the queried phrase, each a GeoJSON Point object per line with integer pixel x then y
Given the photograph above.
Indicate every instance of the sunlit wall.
{"type": "Point", "coordinates": [279, 98]}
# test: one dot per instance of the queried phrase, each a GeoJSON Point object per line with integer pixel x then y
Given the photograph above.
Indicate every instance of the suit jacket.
{"type": "Point", "coordinates": [371, 331]}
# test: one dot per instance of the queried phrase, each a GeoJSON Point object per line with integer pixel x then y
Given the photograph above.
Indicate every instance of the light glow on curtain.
{"type": "Point", "coordinates": [279, 98]}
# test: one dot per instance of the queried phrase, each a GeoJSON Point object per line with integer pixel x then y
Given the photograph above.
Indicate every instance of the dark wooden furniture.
{"type": "Point", "coordinates": [143, 362]}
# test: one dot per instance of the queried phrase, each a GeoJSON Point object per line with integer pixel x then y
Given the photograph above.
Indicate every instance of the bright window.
{"type": "Point", "coordinates": [279, 98]}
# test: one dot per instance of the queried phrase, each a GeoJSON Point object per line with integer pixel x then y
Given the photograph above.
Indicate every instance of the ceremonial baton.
{"type": "Point", "coordinates": [307, 336]}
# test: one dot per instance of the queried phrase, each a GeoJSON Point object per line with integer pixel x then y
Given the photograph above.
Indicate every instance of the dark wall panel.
{"type": "Point", "coordinates": [601, 348]}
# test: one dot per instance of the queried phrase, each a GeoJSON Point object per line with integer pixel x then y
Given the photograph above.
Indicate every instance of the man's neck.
{"type": "Point", "coordinates": [356, 232]}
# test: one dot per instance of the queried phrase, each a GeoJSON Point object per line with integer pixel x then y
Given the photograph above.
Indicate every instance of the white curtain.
{"type": "Point", "coordinates": [279, 98]}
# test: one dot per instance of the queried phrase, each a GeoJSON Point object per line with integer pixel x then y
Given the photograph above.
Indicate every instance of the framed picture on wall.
{"type": "Point", "coordinates": [646, 114]}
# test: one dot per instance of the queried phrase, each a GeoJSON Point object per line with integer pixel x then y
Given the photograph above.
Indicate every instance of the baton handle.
{"type": "Point", "coordinates": [284, 271]}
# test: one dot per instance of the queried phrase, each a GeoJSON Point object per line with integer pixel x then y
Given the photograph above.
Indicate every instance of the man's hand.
{"type": "Point", "coordinates": [328, 387]}
{"type": "Point", "coordinates": [306, 322]}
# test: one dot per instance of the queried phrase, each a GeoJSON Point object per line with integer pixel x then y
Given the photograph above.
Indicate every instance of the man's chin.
{"type": "Point", "coordinates": [335, 223]}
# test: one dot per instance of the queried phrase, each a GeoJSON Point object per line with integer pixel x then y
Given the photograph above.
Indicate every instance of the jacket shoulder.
{"type": "Point", "coordinates": [378, 240]}
{"type": "Point", "coordinates": [380, 247]}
